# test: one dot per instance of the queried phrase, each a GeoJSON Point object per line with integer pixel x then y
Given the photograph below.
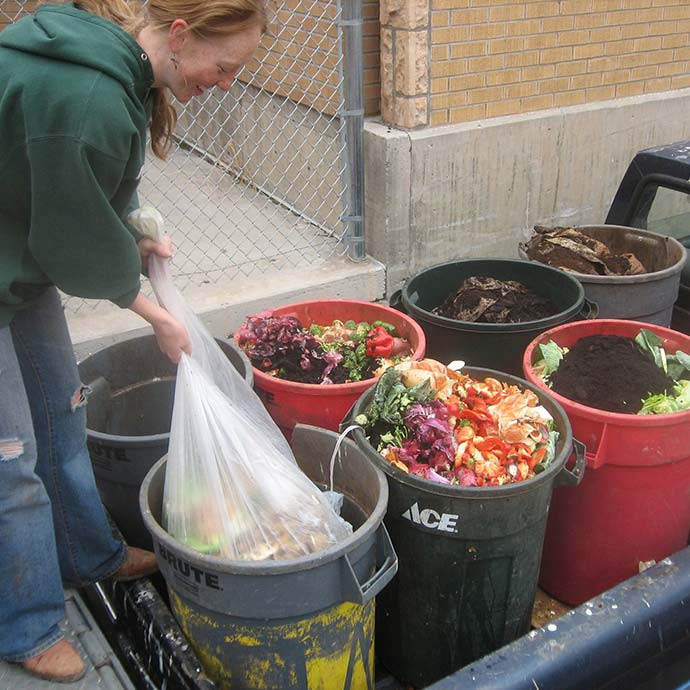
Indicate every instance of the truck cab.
{"type": "Point", "coordinates": [654, 195]}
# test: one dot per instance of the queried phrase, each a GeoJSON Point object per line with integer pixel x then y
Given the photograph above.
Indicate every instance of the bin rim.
{"type": "Point", "coordinates": [455, 324]}
{"type": "Point", "coordinates": [117, 440]}
{"type": "Point", "coordinates": [592, 413]}
{"type": "Point", "coordinates": [677, 267]}
{"type": "Point", "coordinates": [273, 383]}
{"type": "Point", "coordinates": [148, 440]}
{"type": "Point", "coordinates": [259, 568]}
{"type": "Point", "coordinates": [481, 492]}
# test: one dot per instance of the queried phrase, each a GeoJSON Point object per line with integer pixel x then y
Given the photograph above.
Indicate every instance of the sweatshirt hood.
{"type": "Point", "coordinates": [65, 33]}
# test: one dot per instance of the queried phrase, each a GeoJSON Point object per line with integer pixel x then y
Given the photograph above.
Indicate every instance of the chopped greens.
{"type": "Point", "coordinates": [392, 399]}
{"type": "Point", "coordinates": [665, 404]}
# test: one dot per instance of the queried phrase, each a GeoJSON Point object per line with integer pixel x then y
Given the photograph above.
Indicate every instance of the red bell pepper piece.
{"type": "Point", "coordinates": [536, 458]}
{"type": "Point", "coordinates": [453, 408]}
{"type": "Point", "coordinates": [474, 416]}
{"type": "Point", "coordinates": [379, 343]}
{"type": "Point", "coordinates": [493, 445]}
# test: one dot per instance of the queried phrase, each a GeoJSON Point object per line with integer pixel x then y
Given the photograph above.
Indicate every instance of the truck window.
{"type": "Point", "coordinates": [663, 210]}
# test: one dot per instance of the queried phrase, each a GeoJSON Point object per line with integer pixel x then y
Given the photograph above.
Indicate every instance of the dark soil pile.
{"type": "Point", "coordinates": [609, 372]}
{"type": "Point", "coordinates": [488, 300]}
{"type": "Point", "coordinates": [572, 250]}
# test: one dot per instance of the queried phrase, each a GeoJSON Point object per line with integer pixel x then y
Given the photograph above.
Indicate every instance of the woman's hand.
{"type": "Point", "coordinates": [147, 246]}
{"type": "Point", "coordinates": [171, 335]}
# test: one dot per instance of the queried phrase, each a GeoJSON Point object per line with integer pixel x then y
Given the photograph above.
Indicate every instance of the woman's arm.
{"type": "Point", "coordinates": [171, 335]}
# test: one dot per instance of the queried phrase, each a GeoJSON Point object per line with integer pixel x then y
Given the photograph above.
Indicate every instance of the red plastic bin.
{"type": "Point", "coordinates": [633, 505]}
{"type": "Point", "coordinates": [290, 403]}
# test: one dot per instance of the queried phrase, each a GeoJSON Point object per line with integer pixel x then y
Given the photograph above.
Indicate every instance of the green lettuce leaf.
{"type": "Point", "coordinates": [550, 359]}
{"type": "Point", "coordinates": [678, 365]}
{"type": "Point", "coordinates": [651, 344]}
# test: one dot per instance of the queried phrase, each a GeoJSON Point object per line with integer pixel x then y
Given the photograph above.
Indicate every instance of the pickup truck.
{"type": "Point", "coordinates": [635, 636]}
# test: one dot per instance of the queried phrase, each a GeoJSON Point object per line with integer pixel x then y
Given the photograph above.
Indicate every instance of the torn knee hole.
{"type": "Point", "coordinates": [80, 397]}
{"type": "Point", "coordinates": [10, 449]}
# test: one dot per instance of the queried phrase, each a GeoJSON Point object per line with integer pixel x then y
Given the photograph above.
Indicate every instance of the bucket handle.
{"type": "Point", "coordinates": [386, 568]}
{"type": "Point", "coordinates": [599, 458]}
{"type": "Point", "coordinates": [100, 396]}
{"type": "Point", "coordinates": [100, 386]}
{"type": "Point", "coordinates": [395, 301]}
{"type": "Point", "coordinates": [574, 476]}
{"type": "Point", "coordinates": [590, 309]}
{"type": "Point", "coordinates": [349, 418]}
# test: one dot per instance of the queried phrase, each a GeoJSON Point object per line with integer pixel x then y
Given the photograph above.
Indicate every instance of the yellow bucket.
{"type": "Point", "coordinates": [330, 649]}
{"type": "Point", "coordinates": [304, 624]}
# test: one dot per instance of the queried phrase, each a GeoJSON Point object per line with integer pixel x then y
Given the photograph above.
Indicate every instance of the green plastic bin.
{"type": "Point", "coordinates": [468, 557]}
{"type": "Point", "coordinates": [495, 345]}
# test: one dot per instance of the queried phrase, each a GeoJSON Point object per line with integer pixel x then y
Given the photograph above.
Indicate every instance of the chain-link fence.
{"type": "Point", "coordinates": [268, 175]}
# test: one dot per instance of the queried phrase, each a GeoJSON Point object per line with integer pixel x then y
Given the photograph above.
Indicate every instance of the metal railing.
{"type": "Point", "coordinates": [267, 176]}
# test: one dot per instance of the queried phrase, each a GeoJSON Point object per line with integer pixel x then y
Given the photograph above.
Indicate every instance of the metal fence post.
{"type": "Point", "coordinates": [352, 132]}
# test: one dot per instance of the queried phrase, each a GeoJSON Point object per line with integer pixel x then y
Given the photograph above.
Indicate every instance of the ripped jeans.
{"type": "Point", "coordinates": [53, 528]}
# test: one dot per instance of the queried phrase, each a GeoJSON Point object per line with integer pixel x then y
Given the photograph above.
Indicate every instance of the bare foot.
{"type": "Point", "coordinates": [60, 663]}
{"type": "Point", "coordinates": [138, 563]}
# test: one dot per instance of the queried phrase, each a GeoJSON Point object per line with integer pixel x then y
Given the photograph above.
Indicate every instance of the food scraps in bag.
{"type": "Point", "coordinates": [447, 427]}
{"type": "Point", "coordinates": [231, 492]}
{"type": "Point", "coordinates": [214, 533]}
{"type": "Point", "coordinates": [341, 352]}
{"type": "Point", "coordinates": [232, 486]}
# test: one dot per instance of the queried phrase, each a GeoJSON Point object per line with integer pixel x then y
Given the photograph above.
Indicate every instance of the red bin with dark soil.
{"type": "Point", "coordinates": [633, 505]}
{"type": "Point", "coordinates": [290, 403]}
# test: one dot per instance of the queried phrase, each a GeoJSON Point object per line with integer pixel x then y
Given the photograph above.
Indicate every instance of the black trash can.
{"type": "Point", "coordinates": [468, 557]}
{"type": "Point", "coordinates": [128, 421]}
{"type": "Point", "coordinates": [496, 345]}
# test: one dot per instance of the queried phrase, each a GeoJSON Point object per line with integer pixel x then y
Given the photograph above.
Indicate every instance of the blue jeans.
{"type": "Point", "coordinates": [53, 528]}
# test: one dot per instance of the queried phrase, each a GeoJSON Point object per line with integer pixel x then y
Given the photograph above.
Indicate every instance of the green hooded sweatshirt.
{"type": "Point", "coordinates": [74, 108]}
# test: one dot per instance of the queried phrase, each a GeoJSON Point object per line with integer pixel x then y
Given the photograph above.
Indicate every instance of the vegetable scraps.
{"type": "Point", "coordinates": [341, 352]}
{"type": "Point", "coordinates": [675, 366]}
{"type": "Point", "coordinates": [446, 427]}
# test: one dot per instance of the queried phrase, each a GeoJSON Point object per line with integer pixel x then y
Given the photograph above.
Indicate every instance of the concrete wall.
{"type": "Point", "coordinates": [477, 189]}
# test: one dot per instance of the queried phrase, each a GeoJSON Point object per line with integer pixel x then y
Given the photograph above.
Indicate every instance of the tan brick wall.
{"type": "Point", "coordinates": [371, 46]}
{"type": "Point", "coordinates": [502, 57]}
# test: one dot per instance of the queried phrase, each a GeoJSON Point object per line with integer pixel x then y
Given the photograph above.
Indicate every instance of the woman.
{"type": "Point", "coordinates": [79, 84]}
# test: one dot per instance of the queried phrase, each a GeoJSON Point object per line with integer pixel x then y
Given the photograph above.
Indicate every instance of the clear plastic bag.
{"type": "Point", "coordinates": [232, 488]}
